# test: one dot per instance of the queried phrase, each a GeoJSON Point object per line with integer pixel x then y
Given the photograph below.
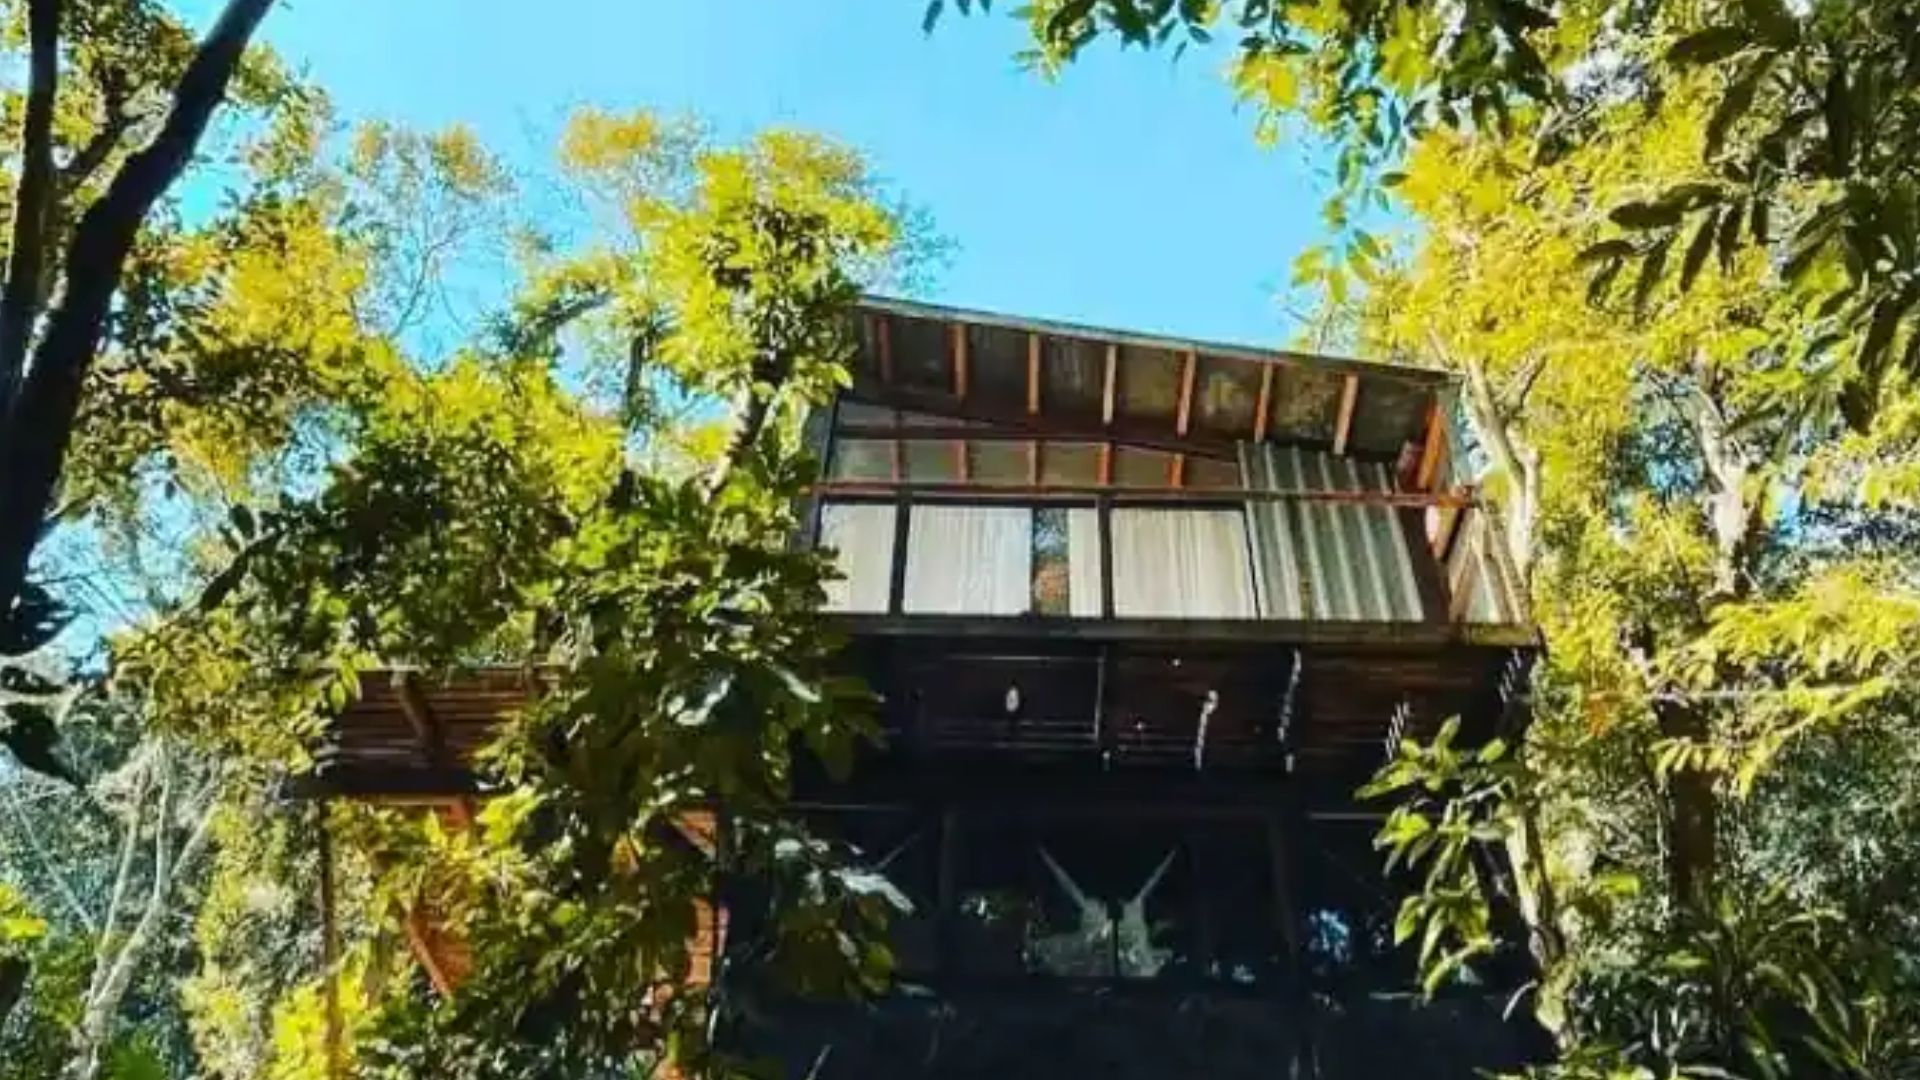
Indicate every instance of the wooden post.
{"type": "Point", "coordinates": [330, 954]}
{"type": "Point", "coordinates": [1109, 384]}
{"type": "Point", "coordinates": [1263, 404]}
{"type": "Point", "coordinates": [1430, 448]}
{"type": "Point", "coordinates": [1343, 423]}
{"type": "Point", "coordinates": [1184, 414]}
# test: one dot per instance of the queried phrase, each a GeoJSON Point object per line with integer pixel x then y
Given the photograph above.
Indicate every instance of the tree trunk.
{"type": "Point", "coordinates": [20, 300]}
{"type": "Point", "coordinates": [38, 424]}
{"type": "Point", "coordinates": [1692, 815]}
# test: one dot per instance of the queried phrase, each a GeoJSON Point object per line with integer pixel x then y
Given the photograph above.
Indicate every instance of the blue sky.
{"type": "Point", "coordinates": [1129, 193]}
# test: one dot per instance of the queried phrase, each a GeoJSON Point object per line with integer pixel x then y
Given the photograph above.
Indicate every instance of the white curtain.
{"type": "Point", "coordinates": [1083, 563]}
{"type": "Point", "coordinates": [969, 560]}
{"type": "Point", "coordinates": [861, 535]}
{"type": "Point", "coordinates": [1181, 564]}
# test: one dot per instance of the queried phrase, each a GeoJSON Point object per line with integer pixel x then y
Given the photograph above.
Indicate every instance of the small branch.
{"type": "Point", "coordinates": [113, 127]}
{"type": "Point", "coordinates": [20, 301]}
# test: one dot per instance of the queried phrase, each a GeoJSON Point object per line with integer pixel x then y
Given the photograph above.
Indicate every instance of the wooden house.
{"type": "Point", "coordinates": [1142, 614]}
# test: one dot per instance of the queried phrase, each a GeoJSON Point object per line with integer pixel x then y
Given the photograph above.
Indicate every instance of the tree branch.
{"type": "Point", "coordinates": [1510, 455]}
{"type": "Point", "coordinates": [20, 301]}
{"type": "Point", "coordinates": [91, 155]}
{"type": "Point", "coordinates": [39, 425]}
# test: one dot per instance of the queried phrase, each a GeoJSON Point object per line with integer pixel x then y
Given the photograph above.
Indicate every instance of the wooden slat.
{"type": "Point", "coordinates": [883, 339]}
{"type": "Point", "coordinates": [1177, 471]}
{"type": "Point", "coordinates": [1033, 462]}
{"type": "Point", "coordinates": [1430, 452]}
{"type": "Point", "coordinates": [1109, 385]}
{"type": "Point", "coordinates": [960, 361]}
{"type": "Point", "coordinates": [1033, 374]}
{"type": "Point", "coordinates": [1343, 424]}
{"type": "Point", "coordinates": [960, 460]}
{"type": "Point", "coordinates": [1189, 365]}
{"type": "Point", "coordinates": [1106, 463]}
{"type": "Point", "coordinates": [1262, 405]}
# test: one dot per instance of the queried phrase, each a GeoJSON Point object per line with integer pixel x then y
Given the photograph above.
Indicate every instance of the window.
{"type": "Point", "coordinates": [1002, 560]}
{"type": "Point", "coordinates": [861, 537]}
{"type": "Point", "coordinates": [1181, 564]}
{"type": "Point", "coordinates": [1146, 900]}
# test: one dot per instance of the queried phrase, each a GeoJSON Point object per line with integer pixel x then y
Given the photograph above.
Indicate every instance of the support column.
{"type": "Point", "coordinates": [330, 952]}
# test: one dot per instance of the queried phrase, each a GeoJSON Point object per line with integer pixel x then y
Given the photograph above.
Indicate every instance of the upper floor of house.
{"type": "Point", "coordinates": [983, 468]}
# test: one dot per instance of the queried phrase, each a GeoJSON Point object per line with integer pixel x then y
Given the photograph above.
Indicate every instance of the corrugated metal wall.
{"type": "Point", "coordinates": [1328, 560]}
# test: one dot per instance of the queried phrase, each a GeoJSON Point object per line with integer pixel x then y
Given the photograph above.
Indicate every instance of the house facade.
{"type": "Point", "coordinates": [1141, 615]}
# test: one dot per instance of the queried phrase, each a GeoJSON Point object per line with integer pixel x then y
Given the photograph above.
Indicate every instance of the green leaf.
{"type": "Point", "coordinates": [1773, 22]}
{"type": "Point", "coordinates": [1736, 102]}
{"type": "Point", "coordinates": [1710, 45]}
{"type": "Point", "coordinates": [1728, 241]}
{"type": "Point", "coordinates": [1652, 268]}
{"type": "Point", "coordinates": [1642, 215]}
{"type": "Point", "coordinates": [1701, 246]}
{"type": "Point", "coordinates": [1605, 250]}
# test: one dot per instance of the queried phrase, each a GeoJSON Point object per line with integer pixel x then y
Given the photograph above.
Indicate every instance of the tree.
{"type": "Point", "coordinates": [484, 511]}
{"type": "Point", "coordinates": [1809, 139]}
{"type": "Point", "coordinates": [1725, 580]}
{"type": "Point", "coordinates": [61, 278]}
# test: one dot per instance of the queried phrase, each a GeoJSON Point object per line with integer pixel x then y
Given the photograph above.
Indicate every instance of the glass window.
{"type": "Point", "coordinates": [1133, 467]}
{"type": "Point", "coordinates": [997, 462]}
{"type": "Point", "coordinates": [1181, 564]}
{"type": "Point", "coordinates": [1070, 464]}
{"type": "Point", "coordinates": [861, 537]}
{"type": "Point", "coordinates": [862, 459]}
{"type": "Point", "coordinates": [1066, 561]}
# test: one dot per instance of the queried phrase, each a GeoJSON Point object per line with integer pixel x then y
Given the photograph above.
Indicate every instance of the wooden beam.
{"type": "Point", "coordinates": [1263, 404]}
{"type": "Point", "coordinates": [1033, 462]}
{"type": "Point", "coordinates": [1106, 464]}
{"type": "Point", "coordinates": [1110, 384]}
{"type": "Point", "coordinates": [960, 460]}
{"type": "Point", "coordinates": [427, 732]}
{"type": "Point", "coordinates": [883, 340]}
{"type": "Point", "coordinates": [1188, 367]}
{"type": "Point", "coordinates": [1033, 374]}
{"type": "Point", "coordinates": [960, 361]}
{"type": "Point", "coordinates": [1177, 471]}
{"type": "Point", "coordinates": [962, 494]}
{"type": "Point", "coordinates": [1430, 452]}
{"type": "Point", "coordinates": [1343, 423]}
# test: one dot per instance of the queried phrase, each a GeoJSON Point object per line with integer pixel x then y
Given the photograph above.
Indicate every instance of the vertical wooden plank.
{"type": "Point", "coordinates": [1106, 464]}
{"type": "Point", "coordinates": [1033, 462]}
{"type": "Point", "coordinates": [960, 361]}
{"type": "Point", "coordinates": [1110, 384]}
{"type": "Point", "coordinates": [1430, 451]}
{"type": "Point", "coordinates": [1188, 366]}
{"type": "Point", "coordinates": [1177, 471]}
{"type": "Point", "coordinates": [1343, 424]}
{"type": "Point", "coordinates": [883, 337]}
{"type": "Point", "coordinates": [1033, 374]}
{"type": "Point", "coordinates": [960, 460]}
{"type": "Point", "coordinates": [1263, 404]}
{"type": "Point", "coordinates": [330, 953]}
